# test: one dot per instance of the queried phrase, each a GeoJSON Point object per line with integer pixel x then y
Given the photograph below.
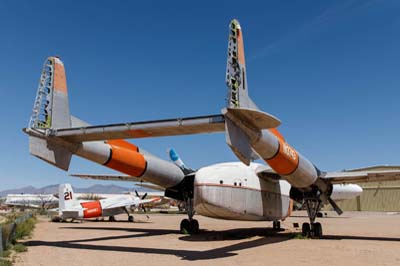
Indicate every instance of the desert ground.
{"type": "Point", "coordinates": [351, 239]}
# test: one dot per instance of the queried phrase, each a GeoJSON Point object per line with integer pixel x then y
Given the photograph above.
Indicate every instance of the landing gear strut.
{"type": "Point", "coordinates": [130, 217]}
{"type": "Point", "coordinates": [189, 226]}
{"type": "Point", "coordinates": [312, 229]}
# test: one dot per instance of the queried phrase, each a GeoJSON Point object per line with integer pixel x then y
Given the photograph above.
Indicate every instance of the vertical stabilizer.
{"type": "Point", "coordinates": [241, 113]}
{"type": "Point", "coordinates": [66, 197]}
{"type": "Point", "coordinates": [51, 107]}
{"type": "Point", "coordinates": [236, 78]}
{"type": "Point", "coordinates": [51, 111]}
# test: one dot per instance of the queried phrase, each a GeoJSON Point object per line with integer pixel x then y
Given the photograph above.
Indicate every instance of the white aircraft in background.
{"type": "Point", "coordinates": [34, 201]}
{"type": "Point", "coordinates": [70, 207]}
{"type": "Point", "coordinates": [239, 190]}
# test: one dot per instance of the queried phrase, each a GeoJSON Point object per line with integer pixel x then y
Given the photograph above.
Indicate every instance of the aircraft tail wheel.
{"type": "Point", "coordinates": [111, 219]}
{"type": "Point", "coordinates": [130, 218]}
{"type": "Point", "coordinates": [305, 229]}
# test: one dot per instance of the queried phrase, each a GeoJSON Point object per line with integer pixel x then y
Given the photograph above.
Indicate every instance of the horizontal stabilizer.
{"type": "Point", "coordinates": [157, 128]}
{"type": "Point", "coordinates": [252, 118]}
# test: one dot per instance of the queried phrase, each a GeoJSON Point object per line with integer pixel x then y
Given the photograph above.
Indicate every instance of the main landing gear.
{"type": "Point", "coordinates": [312, 229]}
{"type": "Point", "coordinates": [189, 226]}
{"type": "Point", "coordinates": [130, 217]}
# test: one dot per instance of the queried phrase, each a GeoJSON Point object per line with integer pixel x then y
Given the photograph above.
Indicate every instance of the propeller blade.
{"type": "Point", "coordinates": [137, 194]}
{"type": "Point", "coordinates": [144, 196]}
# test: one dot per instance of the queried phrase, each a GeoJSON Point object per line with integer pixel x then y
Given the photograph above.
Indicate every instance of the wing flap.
{"type": "Point", "coordinates": [157, 128]}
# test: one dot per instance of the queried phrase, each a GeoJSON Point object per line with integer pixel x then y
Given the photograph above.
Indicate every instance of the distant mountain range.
{"type": "Point", "coordinates": [53, 189]}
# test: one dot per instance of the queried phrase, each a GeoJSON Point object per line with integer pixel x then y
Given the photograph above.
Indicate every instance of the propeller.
{"type": "Point", "coordinates": [142, 198]}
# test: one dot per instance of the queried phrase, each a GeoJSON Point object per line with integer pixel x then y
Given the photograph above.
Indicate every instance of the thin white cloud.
{"type": "Point", "coordinates": [315, 24]}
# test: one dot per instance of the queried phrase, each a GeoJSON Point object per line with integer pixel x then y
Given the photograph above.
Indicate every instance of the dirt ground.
{"type": "Point", "coordinates": [351, 239]}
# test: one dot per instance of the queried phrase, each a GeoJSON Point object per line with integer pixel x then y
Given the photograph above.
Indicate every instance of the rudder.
{"type": "Point", "coordinates": [51, 107]}
{"type": "Point", "coordinates": [51, 111]}
{"type": "Point", "coordinates": [236, 78]}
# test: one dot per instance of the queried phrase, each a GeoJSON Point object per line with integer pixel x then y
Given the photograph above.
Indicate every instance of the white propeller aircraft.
{"type": "Point", "coordinates": [70, 207]}
{"type": "Point", "coordinates": [34, 201]}
{"type": "Point", "coordinates": [239, 190]}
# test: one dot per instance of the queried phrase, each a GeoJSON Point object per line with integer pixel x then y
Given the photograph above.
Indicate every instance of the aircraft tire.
{"type": "Point", "coordinates": [317, 230]}
{"type": "Point", "coordinates": [185, 226]}
{"type": "Point", "coordinates": [194, 226]}
{"type": "Point", "coordinates": [305, 229]}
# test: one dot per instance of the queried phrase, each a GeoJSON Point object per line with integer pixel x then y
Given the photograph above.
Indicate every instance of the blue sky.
{"type": "Point", "coordinates": [328, 69]}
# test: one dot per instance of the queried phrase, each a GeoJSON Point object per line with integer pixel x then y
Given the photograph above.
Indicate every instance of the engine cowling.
{"type": "Point", "coordinates": [345, 191]}
{"type": "Point", "coordinates": [336, 192]}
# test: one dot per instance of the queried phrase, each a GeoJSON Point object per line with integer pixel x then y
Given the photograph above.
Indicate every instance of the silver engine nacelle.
{"type": "Point", "coordinates": [345, 191]}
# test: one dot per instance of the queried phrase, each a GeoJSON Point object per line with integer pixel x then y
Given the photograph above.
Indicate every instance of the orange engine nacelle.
{"type": "Point", "coordinates": [92, 209]}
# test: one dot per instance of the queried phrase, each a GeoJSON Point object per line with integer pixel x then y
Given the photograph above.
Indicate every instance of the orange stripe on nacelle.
{"type": "Point", "coordinates": [126, 160]}
{"type": "Point", "coordinates": [93, 209]}
{"type": "Point", "coordinates": [277, 133]}
{"type": "Point", "coordinates": [286, 160]}
{"type": "Point", "coordinates": [123, 144]}
{"type": "Point", "coordinates": [60, 81]}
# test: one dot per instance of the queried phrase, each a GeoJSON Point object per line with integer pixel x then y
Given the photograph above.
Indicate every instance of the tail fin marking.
{"type": "Point", "coordinates": [66, 197]}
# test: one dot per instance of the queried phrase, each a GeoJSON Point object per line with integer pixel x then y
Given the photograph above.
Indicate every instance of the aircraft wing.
{"type": "Point", "coordinates": [151, 186]}
{"type": "Point", "coordinates": [361, 176]}
{"type": "Point", "coordinates": [358, 175]}
{"type": "Point", "coordinates": [156, 128]}
{"type": "Point", "coordinates": [28, 205]}
{"type": "Point", "coordinates": [109, 177]}
{"type": "Point", "coordinates": [127, 202]}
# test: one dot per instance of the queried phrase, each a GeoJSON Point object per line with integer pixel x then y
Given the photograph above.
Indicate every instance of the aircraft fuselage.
{"type": "Point", "coordinates": [234, 191]}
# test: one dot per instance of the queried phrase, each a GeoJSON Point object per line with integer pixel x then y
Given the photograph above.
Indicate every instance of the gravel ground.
{"type": "Point", "coordinates": [352, 239]}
